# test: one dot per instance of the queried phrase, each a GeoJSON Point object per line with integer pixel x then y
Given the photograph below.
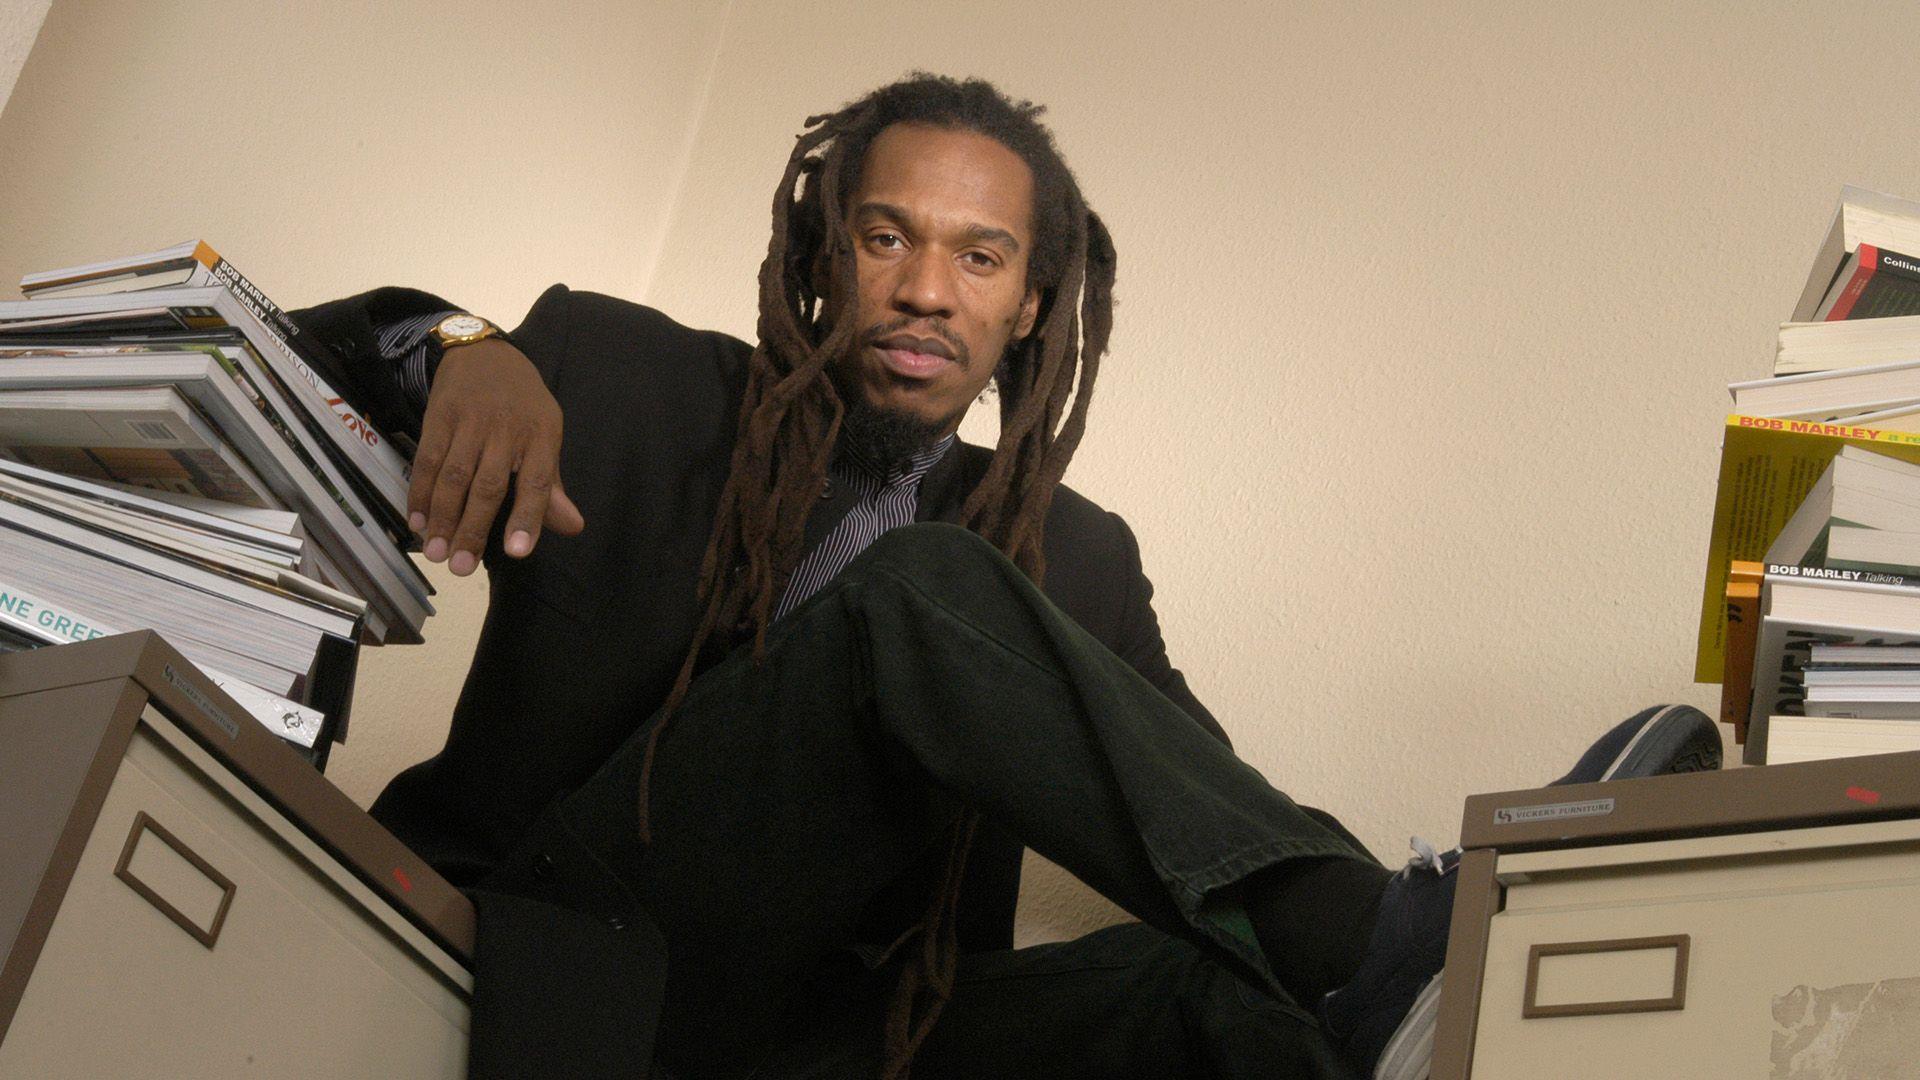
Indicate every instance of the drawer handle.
{"type": "Point", "coordinates": [1676, 1000]}
{"type": "Point", "coordinates": [162, 868]}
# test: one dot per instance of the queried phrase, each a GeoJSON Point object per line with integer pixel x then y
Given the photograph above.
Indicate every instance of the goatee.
{"type": "Point", "coordinates": [883, 438]}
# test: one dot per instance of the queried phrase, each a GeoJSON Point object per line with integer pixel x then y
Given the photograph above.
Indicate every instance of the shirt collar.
{"type": "Point", "coordinates": [911, 473]}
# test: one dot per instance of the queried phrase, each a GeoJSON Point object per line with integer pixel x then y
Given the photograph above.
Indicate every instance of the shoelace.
{"type": "Point", "coordinates": [1425, 854]}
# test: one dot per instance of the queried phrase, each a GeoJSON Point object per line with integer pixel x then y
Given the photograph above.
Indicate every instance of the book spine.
{"type": "Point", "coordinates": [1857, 284]}
{"type": "Point", "coordinates": [1743, 632]}
{"type": "Point", "coordinates": [1817, 572]}
{"type": "Point", "coordinates": [383, 464]}
{"type": "Point", "coordinates": [1743, 626]}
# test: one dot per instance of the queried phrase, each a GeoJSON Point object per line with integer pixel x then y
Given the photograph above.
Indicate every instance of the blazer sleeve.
{"type": "Point", "coordinates": [352, 363]}
{"type": "Point", "coordinates": [350, 359]}
{"type": "Point", "coordinates": [1139, 641]}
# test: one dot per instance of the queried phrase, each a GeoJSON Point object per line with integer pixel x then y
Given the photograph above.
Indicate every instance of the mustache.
{"type": "Point", "coordinates": [934, 328]}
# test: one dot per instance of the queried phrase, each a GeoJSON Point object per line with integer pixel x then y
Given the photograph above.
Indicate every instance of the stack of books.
{"type": "Point", "coordinates": [170, 459]}
{"type": "Point", "coordinates": [1810, 618]}
{"type": "Point", "coordinates": [1851, 355]}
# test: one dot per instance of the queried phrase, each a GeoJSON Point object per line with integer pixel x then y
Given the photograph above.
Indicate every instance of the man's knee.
{"type": "Point", "coordinates": [932, 552]}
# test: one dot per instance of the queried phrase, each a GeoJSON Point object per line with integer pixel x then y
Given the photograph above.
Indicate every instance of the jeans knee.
{"type": "Point", "coordinates": [932, 550]}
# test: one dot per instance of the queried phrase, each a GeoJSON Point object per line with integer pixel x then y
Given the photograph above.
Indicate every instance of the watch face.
{"type": "Point", "coordinates": [461, 325]}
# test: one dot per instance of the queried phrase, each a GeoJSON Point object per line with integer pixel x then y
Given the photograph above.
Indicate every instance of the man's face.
{"type": "Point", "coordinates": [941, 228]}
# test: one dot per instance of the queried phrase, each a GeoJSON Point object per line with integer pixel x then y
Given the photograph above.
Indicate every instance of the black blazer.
{"type": "Point", "coordinates": [649, 408]}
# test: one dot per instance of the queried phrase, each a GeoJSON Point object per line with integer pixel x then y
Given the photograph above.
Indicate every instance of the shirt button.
{"type": "Point", "coordinates": [826, 489]}
{"type": "Point", "coordinates": [615, 922]}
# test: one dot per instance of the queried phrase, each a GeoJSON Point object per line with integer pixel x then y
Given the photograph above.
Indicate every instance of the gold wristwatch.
{"type": "Point", "coordinates": [463, 329]}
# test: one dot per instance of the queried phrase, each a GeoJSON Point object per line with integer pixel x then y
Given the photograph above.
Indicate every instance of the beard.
{"type": "Point", "coordinates": [885, 438]}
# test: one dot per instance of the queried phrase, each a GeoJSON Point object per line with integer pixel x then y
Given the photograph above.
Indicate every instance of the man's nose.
{"type": "Point", "coordinates": [926, 286]}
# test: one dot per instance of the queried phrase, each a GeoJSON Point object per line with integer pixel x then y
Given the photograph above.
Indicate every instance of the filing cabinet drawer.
{"type": "Point", "coordinates": [202, 935]}
{"type": "Point", "coordinates": [1786, 954]}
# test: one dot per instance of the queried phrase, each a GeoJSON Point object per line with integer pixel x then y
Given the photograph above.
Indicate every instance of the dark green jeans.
{"type": "Point", "coordinates": [931, 676]}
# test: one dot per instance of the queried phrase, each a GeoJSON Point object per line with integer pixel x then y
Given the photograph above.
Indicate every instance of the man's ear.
{"type": "Point", "coordinates": [1029, 310]}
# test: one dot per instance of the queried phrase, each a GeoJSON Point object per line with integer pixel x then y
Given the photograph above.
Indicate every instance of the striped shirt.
{"type": "Point", "coordinates": [405, 344]}
{"type": "Point", "coordinates": [887, 500]}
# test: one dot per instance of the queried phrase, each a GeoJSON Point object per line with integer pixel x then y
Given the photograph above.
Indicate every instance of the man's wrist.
{"type": "Point", "coordinates": [437, 352]}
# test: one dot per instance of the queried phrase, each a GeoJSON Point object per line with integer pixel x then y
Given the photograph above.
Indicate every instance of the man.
{"type": "Point", "coordinates": [727, 702]}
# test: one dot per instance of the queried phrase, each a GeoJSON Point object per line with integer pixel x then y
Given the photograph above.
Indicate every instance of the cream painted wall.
{"type": "Point", "coordinates": [1426, 312]}
{"type": "Point", "coordinates": [19, 25]}
{"type": "Point", "coordinates": [329, 148]}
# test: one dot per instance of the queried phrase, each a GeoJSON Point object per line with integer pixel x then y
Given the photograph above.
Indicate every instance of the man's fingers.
{"type": "Point", "coordinates": [450, 485]}
{"type": "Point", "coordinates": [489, 416]}
{"type": "Point", "coordinates": [436, 436]}
{"type": "Point", "coordinates": [492, 479]}
{"type": "Point", "coordinates": [531, 488]}
{"type": "Point", "coordinates": [561, 516]}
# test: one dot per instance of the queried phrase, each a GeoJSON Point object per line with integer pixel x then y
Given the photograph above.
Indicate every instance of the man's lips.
{"type": "Point", "coordinates": [914, 357]}
{"type": "Point", "coordinates": [913, 365]}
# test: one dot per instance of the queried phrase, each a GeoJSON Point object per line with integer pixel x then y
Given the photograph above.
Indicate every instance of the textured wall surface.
{"type": "Point", "coordinates": [19, 24]}
{"type": "Point", "coordinates": [478, 150]}
{"type": "Point", "coordinates": [1425, 310]}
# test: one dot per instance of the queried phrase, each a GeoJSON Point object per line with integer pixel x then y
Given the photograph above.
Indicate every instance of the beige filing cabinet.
{"type": "Point", "coordinates": [1753, 923]}
{"type": "Point", "coordinates": [182, 896]}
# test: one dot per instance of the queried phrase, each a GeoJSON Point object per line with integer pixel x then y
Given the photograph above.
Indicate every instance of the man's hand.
{"type": "Point", "coordinates": [490, 420]}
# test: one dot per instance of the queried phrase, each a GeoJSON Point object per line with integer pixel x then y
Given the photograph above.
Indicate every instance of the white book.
{"type": "Point", "coordinates": [56, 624]}
{"type": "Point", "coordinates": [1866, 654]}
{"type": "Point", "coordinates": [189, 571]}
{"type": "Point", "coordinates": [270, 652]}
{"type": "Point", "coordinates": [1800, 613]}
{"type": "Point", "coordinates": [1903, 417]}
{"type": "Point", "coordinates": [1885, 551]}
{"type": "Point", "coordinates": [233, 301]}
{"type": "Point", "coordinates": [368, 562]}
{"type": "Point", "coordinates": [1879, 703]}
{"type": "Point", "coordinates": [233, 556]}
{"type": "Point", "coordinates": [1885, 221]}
{"type": "Point", "coordinates": [278, 536]}
{"type": "Point", "coordinates": [1861, 678]}
{"type": "Point", "coordinates": [276, 530]}
{"type": "Point", "coordinates": [145, 436]}
{"type": "Point", "coordinates": [1860, 488]}
{"type": "Point", "coordinates": [1811, 738]}
{"type": "Point", "coordinates": [176, 265]}
{"type": "Point", "coordinates": [1845, 345]}
{"type": "Point", "coordinates": [1821, 394]}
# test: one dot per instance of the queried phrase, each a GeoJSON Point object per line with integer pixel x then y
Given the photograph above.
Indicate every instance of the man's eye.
{"type": "Point", "coordinates": [885, 241]}
{"type": "Point", "coordinates": [980, 260]}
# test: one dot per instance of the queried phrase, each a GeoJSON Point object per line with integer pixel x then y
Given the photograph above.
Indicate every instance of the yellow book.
{"type": "Point", "coordinates": [1767, 466]}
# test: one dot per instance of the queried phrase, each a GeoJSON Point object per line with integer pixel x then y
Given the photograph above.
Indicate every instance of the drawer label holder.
{"type": "Point", "coordinates": [1677, 944]}
{"type": "Point", "coordinates": [144, 825]}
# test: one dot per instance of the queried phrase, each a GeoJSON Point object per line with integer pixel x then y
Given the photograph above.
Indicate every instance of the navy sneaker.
{"type": "Point", "coordinates": [1657, 741]}
{"type": "Point", "coordinates": [1384, 1019]}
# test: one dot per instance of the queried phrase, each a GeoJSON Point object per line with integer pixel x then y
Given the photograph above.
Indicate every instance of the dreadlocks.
{"type": "Point", "coordinates": [791, 415]}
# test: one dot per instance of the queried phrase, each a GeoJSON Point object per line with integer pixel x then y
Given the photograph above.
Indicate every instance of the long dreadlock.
{"type": "Point", "coordinates": [790, 418]}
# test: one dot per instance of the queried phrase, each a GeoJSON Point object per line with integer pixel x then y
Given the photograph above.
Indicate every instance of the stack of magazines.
{"type": "Point", "coordinates": [170, 459]}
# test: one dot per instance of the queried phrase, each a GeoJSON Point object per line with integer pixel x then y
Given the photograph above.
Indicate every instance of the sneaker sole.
{"type": "Point", "coordinates": [1409, 1054]}
{"type": "Point", "coordinates": [1677, 739]}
